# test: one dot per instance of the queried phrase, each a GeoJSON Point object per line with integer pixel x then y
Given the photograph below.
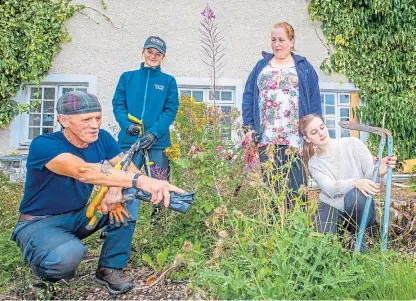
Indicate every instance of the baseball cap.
{"type": "Point", "coordinates": [77, 102]}
{"type": "Point", "coordinates": [155, 42]}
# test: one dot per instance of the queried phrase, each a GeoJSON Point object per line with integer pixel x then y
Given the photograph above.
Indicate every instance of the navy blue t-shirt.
{"type": "Point", "coordinates": [47, 193]}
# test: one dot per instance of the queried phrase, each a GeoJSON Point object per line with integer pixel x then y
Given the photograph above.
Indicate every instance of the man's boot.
{"type": "Point", "coordinates": [116, 280]}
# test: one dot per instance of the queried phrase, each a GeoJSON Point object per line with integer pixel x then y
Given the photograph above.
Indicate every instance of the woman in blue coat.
{"type": "Point", "coordinates": [151, 96]}
{"type": "Point", "coordinates": [281, 89]}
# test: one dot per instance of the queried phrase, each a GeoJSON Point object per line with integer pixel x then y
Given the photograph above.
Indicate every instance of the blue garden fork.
{"type": "Point", "coordinates": [386, 216]}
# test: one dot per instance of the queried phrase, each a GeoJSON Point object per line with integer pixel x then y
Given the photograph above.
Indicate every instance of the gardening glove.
{"type": "Point", "coordinates": [118, 215]}
{"type": "Point", "coordinates": [179, 202]}
{"type": "Point", "coordinates": [148, 140]}
{"type": "Point", "coordinates": [133, 130]}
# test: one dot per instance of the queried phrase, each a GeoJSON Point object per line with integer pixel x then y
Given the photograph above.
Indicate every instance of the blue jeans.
{"type": "Point", "coordinates": [160, 168]}
{"type": "Point", "coordinates": [329, 219]}
{"type": "Point", "coordinates": [52, 246]}
{"type": "Point", "coordinates": [296, 171]}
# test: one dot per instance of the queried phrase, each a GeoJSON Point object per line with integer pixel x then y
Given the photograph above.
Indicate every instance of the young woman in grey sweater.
{"type": "Point", "coordinates": [343, 169]}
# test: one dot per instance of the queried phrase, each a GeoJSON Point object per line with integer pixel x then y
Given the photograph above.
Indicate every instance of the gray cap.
{"type": "Point", "coordinates": [155, 42]}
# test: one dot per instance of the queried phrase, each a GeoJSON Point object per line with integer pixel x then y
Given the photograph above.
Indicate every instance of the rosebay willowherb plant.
{"type": "Point", "coordinates": [212, 48]}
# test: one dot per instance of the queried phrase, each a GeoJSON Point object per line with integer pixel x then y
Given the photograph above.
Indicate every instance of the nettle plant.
{"type": "Point", "coordinates": [375, 46]}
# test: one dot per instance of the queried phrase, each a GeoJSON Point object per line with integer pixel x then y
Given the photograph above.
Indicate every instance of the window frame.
{"type": "Point", "coordinates": [19, 126]}
{"type": "Point", "coordinates": [337, 107]}
{"type": "Point", "coordinates": [58, 93]}
{"type": "Point", "coordinates": [27, 140]}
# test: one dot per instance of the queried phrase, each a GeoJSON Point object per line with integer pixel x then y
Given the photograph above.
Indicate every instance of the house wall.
{"type": "Point", "coordinates": [106, 51]}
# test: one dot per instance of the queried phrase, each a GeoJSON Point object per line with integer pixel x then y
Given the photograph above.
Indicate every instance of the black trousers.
{"type": "Point", "coordinates": [295, 171]}
{"type": "Point", "coordinates": [331, 220]}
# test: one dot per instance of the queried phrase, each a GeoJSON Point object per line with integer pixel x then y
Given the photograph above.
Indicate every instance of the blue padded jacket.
{"type": "Point", "coordinates": [309, 94]}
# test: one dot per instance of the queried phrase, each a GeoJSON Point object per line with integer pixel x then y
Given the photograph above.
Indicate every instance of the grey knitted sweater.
{"type": "Point", "coordinates": [335, 173]}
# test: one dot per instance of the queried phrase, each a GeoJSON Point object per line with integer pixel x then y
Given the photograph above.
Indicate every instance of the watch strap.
{"type": "Point", "coordinates": [135, 179]}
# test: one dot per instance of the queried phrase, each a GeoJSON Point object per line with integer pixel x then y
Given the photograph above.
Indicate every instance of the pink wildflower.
{"type": "Point", "coordinates": [208, 13]}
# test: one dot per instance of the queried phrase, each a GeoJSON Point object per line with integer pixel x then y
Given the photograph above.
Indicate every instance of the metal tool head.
{"type": "Point", "coordinates": [352, 125]}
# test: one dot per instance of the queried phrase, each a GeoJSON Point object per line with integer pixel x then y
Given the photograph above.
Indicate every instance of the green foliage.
{"type": "Point", "coordinates": [10, 258]}
{"type": "Point", "coordinates": [31, 34]}
{"type": "Point", "coordinates": [10, 255]}
{"type": "Point", "coordinates": [268, 262]}
{"type": "Point", "coordinates": [161, 259]}
{"type": "Point", "coordinates": [376, 49]}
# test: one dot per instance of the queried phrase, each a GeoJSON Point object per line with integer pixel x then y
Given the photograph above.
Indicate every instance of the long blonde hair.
{"type": "Point", "coordinates": [308, 149]}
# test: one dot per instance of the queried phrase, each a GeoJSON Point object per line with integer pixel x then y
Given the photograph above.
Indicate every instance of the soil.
{"type": "Point", "coordinates": [84, 287]}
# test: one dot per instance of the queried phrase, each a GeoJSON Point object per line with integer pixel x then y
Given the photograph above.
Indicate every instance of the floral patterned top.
{"type": "Point", "coordinates": [278, 102]}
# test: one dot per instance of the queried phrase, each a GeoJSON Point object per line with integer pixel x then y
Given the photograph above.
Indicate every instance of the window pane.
{"type": "Point", "coordinates": [38, 106]}
{"type": "Point", "coordinates": [68, 89]}
{"type": "Point", "coordinates": [34, 119]}
{"type": "Point", "coordinates": [322, 98]}
{"type": "Point", "coordinates": [48, 106]}
{"type": "Point", "coordinates": [82, 89]}
{"type": "Point", "coordinates": [34, 132]}
{"type": "Point", "coordinates": [211, 95]}
{"type": "Point", "coordinates": [345, 133]}
{"type": "Point", "coordinates": [187, 92]}
{"type": "Point", "coordinates": [35, 93]}
{"type": "Point", "coordinates": [198, 96]}
{"type": "Point", "coordinates": [227, 95]}
{"type": "Point", "coordinates": [49, 93]}
{"type": "Point", "coordinates": [47, 130]}
{"type": "Point", "coordinates": [329, 99]}
{"type": "Point", "coordinates": [226, 109]}
{"type": "Point", "coordinates": [329, 110]}
{"type": "Point", "coordinates": [332, 133]}
{"type": "Point", "coordinates": [330, 123]}
{"type": "Point", "coordinates": [344, 99]}
{"type": "Point", "coordinates": [344, 112]}
{"type": "Point", "coordinates": [48, 120]}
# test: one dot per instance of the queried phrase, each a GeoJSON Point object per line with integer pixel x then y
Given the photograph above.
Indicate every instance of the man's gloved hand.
{"type": "Point", "coordinates": [133, 130]}
{"type": "Point", "coordinates": [148, 140]}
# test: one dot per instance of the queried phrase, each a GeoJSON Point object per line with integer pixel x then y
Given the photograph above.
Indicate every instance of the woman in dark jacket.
{"type": "Point", "coordinates": [150, 97]}
{"type": "Point", "coordinates": [281, 89]}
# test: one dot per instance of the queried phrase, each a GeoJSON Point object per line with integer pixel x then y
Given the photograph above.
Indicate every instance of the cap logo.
{"type": "Point", "coordinates": [156, 41]}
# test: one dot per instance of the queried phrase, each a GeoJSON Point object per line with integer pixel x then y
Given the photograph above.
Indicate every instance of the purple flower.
{"type": "Point", "coordinates": [208, 12]}
{"type": "Point", "coordinates": [219, 148]}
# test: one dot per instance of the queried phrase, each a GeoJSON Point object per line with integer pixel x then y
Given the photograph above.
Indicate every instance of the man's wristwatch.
{"type": "Point", "coordinates": [135, 179]}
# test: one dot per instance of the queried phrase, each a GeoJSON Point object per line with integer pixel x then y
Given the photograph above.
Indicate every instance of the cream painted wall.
{"type": "Point", "coordinates": [106, 51]}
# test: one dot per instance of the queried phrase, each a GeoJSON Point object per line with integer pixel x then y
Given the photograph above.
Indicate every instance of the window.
{"type": "Point", "coordinates": [224, 99]}
{"type": "Point", "coordinates": [196, 94]}
{"type": "Point", "coordinates": [336, 107]}
{"type": "Point", "coordinates": [225, 96]}
{"type": "Point", "coordinates": [42, 118]}
{"type": "Point", "coordinates": [229, 94]}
